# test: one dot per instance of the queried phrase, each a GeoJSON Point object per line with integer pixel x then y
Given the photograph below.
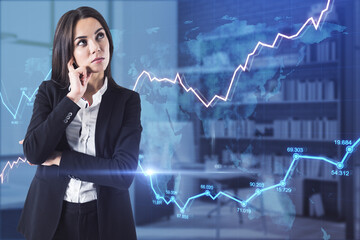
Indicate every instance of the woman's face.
{"type": "Point", "coordinates": [91, 45]}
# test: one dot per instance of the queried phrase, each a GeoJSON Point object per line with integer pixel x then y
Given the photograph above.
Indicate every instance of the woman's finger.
{"type": "Point", "coordinates": [84, 74]}
{"type": "Point", "coordinates": [76, 75]}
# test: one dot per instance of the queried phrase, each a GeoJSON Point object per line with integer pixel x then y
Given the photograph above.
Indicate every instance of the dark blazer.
{"type": "Point", "coordinates": [117, 138]}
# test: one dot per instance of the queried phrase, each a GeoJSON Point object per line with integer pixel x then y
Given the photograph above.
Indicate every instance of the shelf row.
{"type": "Point", "coordinates": [301, 129]}
{"type": "Point", "coordinates": [322, 129]}
{"type": "Point", "coordinates": [306, 90]}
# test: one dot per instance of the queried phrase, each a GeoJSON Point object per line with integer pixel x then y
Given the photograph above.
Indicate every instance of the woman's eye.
{"type": "Point", "coordinates": [82, 43]}
{"type": "Point", "coordinates": [100, 35]}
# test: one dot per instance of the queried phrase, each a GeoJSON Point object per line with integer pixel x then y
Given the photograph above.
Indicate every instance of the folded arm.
{"type": "Point", "coordinates": [117, 171]}
{"type": "Point", "coordinates": [47, 125]}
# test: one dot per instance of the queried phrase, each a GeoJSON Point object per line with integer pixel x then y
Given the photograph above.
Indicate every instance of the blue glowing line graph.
{"type": "Point", "coordinates": [258, 191]}
{"type": "Point", "coordinates": [14, 113]}
{"type": "Point", "coordinates": [241, 68]}
{"type": "Point", "coordinates": [10, 165]}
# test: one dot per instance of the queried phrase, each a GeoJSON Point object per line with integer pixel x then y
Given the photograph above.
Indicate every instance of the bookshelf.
{"type": "Point", "coordinates": [320, 95]}
{"type": "Point", "coordinates": [305, 113]}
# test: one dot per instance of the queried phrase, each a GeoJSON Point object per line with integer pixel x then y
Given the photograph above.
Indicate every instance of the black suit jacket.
{"type": "Point", "coordinates": [117, 138]}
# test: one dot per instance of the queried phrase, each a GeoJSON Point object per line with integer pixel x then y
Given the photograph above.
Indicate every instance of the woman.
{"type": "Point", "coordinates": [84, 136]}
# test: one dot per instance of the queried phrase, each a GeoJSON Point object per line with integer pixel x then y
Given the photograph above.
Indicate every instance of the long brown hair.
{"type": "Point", "coordinates": [63, 46]}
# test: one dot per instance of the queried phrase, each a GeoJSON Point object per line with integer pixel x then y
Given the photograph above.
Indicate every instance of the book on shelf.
{"type": "Point", "coordinates": [314, 90]}
{"type": "Point", "coordinates": [290, 90]}
{"type": "Point", "coordinates": [321, 52]}
{"type": "Point", "coordinates": [281, 129]}
{"type": "Point", "coordinates": [304, 129]}
{"type": "Point", "coordinates": [303, 90]}
{"type": "Point", "coordinates": [295, 129]}
{"type": "Point", "coordinates": [330, 129]}
{"type": "Point", "coordinates": [329, 90]}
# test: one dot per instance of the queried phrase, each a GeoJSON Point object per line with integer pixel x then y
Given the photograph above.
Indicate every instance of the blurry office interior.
{"type": "Point", "coordinates": [234, 146]}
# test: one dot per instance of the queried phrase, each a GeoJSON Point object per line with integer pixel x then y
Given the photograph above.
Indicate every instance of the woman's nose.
{"type": "Point", "coordinates": [94, 47]}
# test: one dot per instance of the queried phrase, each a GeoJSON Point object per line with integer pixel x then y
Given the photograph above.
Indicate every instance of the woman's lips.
{"type": "Point", "coordinates": [97, 60]}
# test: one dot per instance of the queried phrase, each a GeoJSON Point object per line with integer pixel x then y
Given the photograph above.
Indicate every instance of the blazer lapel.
{"type": "Point", "coordinates": [103, 118]}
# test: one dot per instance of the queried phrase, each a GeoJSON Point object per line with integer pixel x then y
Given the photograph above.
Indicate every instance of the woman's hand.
{"type": "Point", "coordinates": [79, 79]}
{"type": "Point", "coordinates": [54, 159]}
{"type": "Point", "coordinates": [21, 142]}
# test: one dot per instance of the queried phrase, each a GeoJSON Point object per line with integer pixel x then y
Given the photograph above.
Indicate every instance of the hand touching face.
{"type": "Point", "coordinates": [79, 79]}
{"type": "Point", "coordinates": [91, 54]}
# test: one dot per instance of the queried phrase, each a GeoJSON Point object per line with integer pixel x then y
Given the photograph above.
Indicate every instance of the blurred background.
{"type": "Point", "coordinates": [201, 157]}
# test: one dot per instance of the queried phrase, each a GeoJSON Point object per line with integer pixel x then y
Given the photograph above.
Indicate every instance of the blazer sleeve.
{"type": "Point", "coordinates": [47, 124]}
{"type": "Point", "coordinates": [119, 170]}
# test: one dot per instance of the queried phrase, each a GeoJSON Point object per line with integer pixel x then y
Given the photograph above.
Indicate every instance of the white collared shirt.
{"type": "Point", "coordinates": [81, 138]}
